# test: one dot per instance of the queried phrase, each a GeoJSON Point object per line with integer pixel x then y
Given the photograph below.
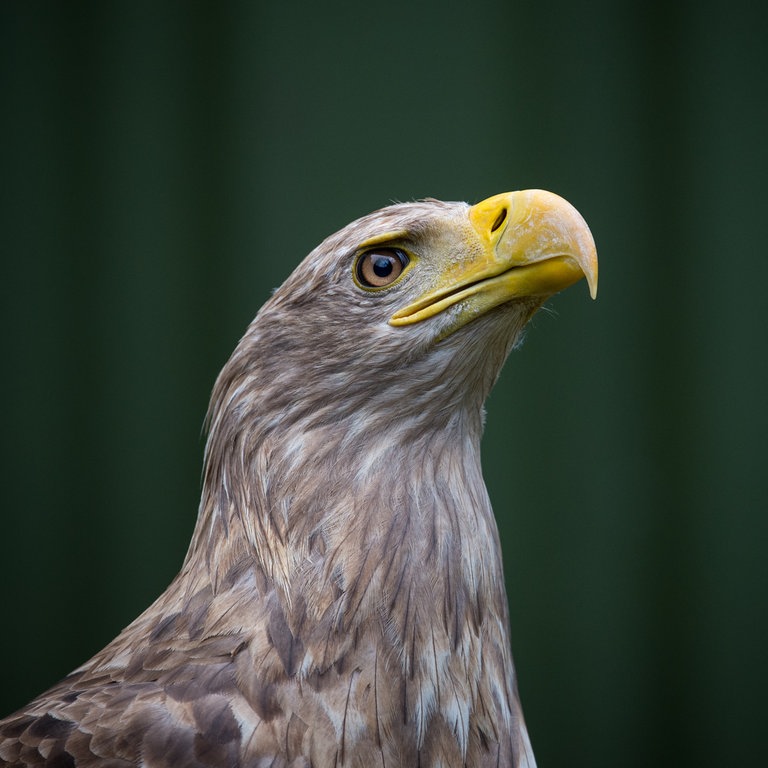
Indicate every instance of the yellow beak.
{"type": "Point", "coordinates": [527, 244]}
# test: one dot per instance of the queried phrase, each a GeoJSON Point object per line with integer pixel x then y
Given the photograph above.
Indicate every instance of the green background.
{"type": "Point", "coordinates": [165, 165]}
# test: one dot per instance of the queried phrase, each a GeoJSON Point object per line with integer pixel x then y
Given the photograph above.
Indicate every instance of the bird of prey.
{"type": "Point", "coordinates": [342, 602]}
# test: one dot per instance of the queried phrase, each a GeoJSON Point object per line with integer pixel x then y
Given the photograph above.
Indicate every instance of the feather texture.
{"type": "Point", "coordinates": [342, 602]}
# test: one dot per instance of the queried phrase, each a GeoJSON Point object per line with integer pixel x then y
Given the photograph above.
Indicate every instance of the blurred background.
{"type": "Point", "coordinates": [165, 165]}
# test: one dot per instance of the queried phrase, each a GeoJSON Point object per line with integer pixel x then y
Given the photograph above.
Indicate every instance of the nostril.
{"type": "Point", "coordinates": [499, 220]}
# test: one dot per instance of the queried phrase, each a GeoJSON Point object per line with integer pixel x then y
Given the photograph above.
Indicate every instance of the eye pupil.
{"type": "Point", "coordinates": [381, 267]}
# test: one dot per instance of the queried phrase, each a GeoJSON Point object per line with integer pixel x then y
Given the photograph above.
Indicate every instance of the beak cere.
{"type": "Point", "coordinates": [528, 244]}
{"type": "Point", "coordinates": [531, 226]}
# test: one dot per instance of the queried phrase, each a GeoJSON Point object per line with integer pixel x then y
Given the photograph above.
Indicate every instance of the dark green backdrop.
{"type": "Point", "coordinates": [164, 165]}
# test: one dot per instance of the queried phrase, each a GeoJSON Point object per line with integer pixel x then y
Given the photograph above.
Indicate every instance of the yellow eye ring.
{"type": "Point", "coordinates": [380, 267]}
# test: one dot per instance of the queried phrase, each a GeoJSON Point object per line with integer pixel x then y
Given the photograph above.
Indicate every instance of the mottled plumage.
{"type": "Point", "coordinates": [342, 602]}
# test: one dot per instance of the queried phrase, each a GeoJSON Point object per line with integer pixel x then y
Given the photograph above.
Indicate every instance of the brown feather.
{"type": "Point", "coordinates": [342, 602]}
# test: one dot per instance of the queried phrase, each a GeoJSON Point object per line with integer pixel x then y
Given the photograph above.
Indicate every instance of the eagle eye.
{"type": "Point", "coordinates": [380, 267]}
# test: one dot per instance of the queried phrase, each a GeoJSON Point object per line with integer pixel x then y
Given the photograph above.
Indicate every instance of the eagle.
{"type": "Point", "coordinates": [342, 601]}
